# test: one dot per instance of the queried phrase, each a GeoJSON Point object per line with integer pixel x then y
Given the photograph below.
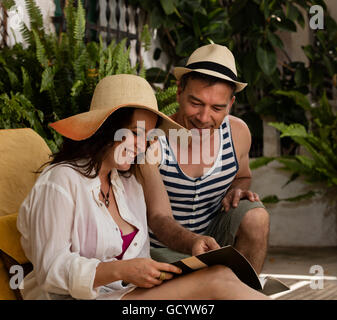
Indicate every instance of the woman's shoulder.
{"type": "Point", "coordinates": [61, 174]}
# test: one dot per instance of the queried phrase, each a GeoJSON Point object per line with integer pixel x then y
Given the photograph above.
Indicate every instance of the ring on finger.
{"type": "Point", "coordinates": [162, 276]}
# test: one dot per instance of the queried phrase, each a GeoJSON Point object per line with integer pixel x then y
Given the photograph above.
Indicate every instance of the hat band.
{"type": "Point", "coordinates": [213, 66]}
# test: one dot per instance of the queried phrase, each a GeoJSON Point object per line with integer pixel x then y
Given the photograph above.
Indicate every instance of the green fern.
{"type": "Point", "coordinates": [70, 13]}
{"type": "Point", "coordinates": [26, 34]}
{"type": "Point", "coordinates": [145, 37]}
{"type": "Point", "coordinates": [8, 4]}
{"type": "Point", "coordinates": [170, 109]}
{"type": "Point", "coordinates": [79, 27]}
{"type": "Point", "coordinates": [56, 74]}
{"type": "Point", "coordinates": [47, 82]}
{"type": "Point", "coordinates": [16, 111]}
{"type": "Point", "coordinates": [167, 99]}
{"type": "Point", "coordinates": [40, 50]}
{"type": "Point", "coordinates": [26, 85]}
{"type": "Point", "coordinates": [35, 15]}
{"type": "Point", "coordinates": [14, 81]}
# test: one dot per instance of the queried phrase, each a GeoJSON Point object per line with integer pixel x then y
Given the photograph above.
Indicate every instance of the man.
{"type": "Point", "coordinates": [207, 180]}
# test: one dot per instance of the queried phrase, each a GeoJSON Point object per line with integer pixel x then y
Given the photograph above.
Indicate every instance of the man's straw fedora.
{"type": "Point", "coordinates": [214, 60]}
{"type": "Point", "coordinates": [112, 93]}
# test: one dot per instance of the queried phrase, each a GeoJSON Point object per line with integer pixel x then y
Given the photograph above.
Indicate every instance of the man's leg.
{"type": "Point", "coordinates": [166, 255]}
{"type": "Point", "coordinates": [246, 228]}
{"type": "Point", "coordinates": [252, 237]}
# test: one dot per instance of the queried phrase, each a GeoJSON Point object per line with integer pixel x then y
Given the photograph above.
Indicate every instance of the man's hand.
{"type": "Point", "coordinates": [233, 197]}
{"type": "Point", "coordinates": [203, 244]}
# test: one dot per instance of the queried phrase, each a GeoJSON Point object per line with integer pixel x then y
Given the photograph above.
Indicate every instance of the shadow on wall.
{"type": "Point", "coordinates": [310, 222]}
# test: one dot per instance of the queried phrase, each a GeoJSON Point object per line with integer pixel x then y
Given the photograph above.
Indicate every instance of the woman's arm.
{"type": "Point", "coordinates": [45, 222]}
{"type": "Point", "coordinates": [143, 272]}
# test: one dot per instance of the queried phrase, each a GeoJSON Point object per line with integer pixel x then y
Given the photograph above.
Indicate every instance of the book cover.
{"type": "Point", "coordinates": [233, 259]}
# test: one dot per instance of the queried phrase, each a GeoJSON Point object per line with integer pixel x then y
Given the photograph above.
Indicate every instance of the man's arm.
{"type": "Point", "coordinates": [239, 188]}
{"type": "Point", "coordinates": [161, 220]}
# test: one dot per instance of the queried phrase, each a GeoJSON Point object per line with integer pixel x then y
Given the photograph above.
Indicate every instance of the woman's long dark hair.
{"type": "Point", "coordinates": [92, 151]}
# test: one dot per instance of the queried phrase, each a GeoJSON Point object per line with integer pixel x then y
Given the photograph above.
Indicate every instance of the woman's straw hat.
{"type": "Point", "coordinates": [214, 60]}
{"type": "Point", "coordinates": [112, 93]}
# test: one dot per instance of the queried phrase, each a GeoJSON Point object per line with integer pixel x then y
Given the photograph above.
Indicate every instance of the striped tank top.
{"type": "Point", "coordinates": [196, 201]}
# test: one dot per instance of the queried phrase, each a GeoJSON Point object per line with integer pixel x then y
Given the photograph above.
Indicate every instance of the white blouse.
{"type": "Point", "coordinates": [67, 231]}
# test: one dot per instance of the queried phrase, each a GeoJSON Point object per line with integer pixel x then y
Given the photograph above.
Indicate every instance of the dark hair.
{"type": "Point", "coordinates": [94, 149]}
{"type": "Point", "coordinates": [209, 80]}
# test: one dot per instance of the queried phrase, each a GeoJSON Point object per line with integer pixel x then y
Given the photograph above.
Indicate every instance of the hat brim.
{"type": "Point", "coordinates": [83, 125]}
{"type": "Point", "coordinates": [180, 71]}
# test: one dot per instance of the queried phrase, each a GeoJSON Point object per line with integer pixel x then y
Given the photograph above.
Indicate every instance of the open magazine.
{"type": "Point", "coordinates": [233, 259]}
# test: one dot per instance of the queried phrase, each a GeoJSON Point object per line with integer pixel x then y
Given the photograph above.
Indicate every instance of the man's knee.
{"type": "Point", "coordinates": [255, 223]}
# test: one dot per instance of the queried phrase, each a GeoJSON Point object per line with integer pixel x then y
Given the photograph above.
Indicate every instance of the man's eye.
{"type": "Point", "coordinates": [196, 103]}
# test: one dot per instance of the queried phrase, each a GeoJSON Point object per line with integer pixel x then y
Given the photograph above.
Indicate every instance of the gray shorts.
{"type": "Point", "coordinates": [222, 228]}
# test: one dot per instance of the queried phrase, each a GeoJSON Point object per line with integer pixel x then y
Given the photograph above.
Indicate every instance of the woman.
{"type": "Point", "coordinates": [84, 225]}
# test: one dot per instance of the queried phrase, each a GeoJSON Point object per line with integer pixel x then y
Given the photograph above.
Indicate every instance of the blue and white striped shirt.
{"type": "Point", "coordinates": [196, 201]}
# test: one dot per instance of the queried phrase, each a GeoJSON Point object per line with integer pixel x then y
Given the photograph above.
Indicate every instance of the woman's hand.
{"type": "Point", "coordinates": [145, 272]}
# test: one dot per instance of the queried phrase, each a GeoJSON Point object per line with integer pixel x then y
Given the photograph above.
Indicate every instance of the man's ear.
{"type": "Point", "coordinates": [231, 103]}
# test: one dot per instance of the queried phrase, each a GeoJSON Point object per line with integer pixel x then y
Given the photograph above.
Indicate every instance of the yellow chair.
{"type": "Point", "coordinates": [22, 151]}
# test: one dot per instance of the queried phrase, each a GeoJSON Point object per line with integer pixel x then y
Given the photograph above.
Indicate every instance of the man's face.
{"type": "Point", "coordinates": [203, 106]}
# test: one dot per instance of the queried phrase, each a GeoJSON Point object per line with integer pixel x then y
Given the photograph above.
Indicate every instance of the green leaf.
{"type": "Point", "coordinates": [76, 88]}
{"type": "Point", "coordinates": [40, 50]}
{"type": "Point", "coordinates": [170, 109]}
{"type": "Point", "coordinates": [270, 199]}
{"type": "Point", "coordinates": [274, 40]}
{"type": "Point", "coordinates": [146, 38]}
{"type": "Point", "coordinates": [35, 15]}
{"type": "Point", "coordinates": [309, 52]}
{"type": "Point", "coordinates": [300, 197]}
{"type": "Point", "coordinates": [155, 75]}
{"type": "Point", "coordinates": [168, 6]}
{"type": "Point", "coordinates": [156, 18]}
{"type": "Point", "coordinates": [13, 79]}
{"type": "Point", "coordinates": [8, 4]}
{"type": "Point", "coordinates": [292, 12]}
{"type": "Point", "coordinates": [299, 98]}
{"type": "Point", "coordinates": [307, 162]}
{"type": "Point", "coordinates": [293, 177]}
{"type": "Point", "coordinates": [249, 65]}
{"type": "Point", "coordinates": [79, 28]}
{"type": "Point", "coordinates": [266, 60]}
{"type": "Point", "coordinates": [47, 79]}
{"type": "Point", "coordinates": [260, 162]}
{"type": "Point", "coordinates": [286, 25]}
{"type": "Point", "coordinates": [27, 88]}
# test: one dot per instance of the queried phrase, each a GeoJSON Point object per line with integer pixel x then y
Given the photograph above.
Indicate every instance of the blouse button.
{"type": "Point", "coordinates": [135, 244]}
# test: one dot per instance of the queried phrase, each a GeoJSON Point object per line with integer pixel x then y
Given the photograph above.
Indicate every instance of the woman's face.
{"type": "Point", "coordinates": [131, 141]}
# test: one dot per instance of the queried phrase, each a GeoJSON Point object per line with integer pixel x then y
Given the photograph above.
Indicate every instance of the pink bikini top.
{"type": "Point", "coordinates": [127, 239]}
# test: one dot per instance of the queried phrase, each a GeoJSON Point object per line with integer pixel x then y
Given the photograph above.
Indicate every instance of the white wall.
{"type": "Point", "coordinates": [19, 13]}
{"type": "Point", "coordinates": [303, 223]}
